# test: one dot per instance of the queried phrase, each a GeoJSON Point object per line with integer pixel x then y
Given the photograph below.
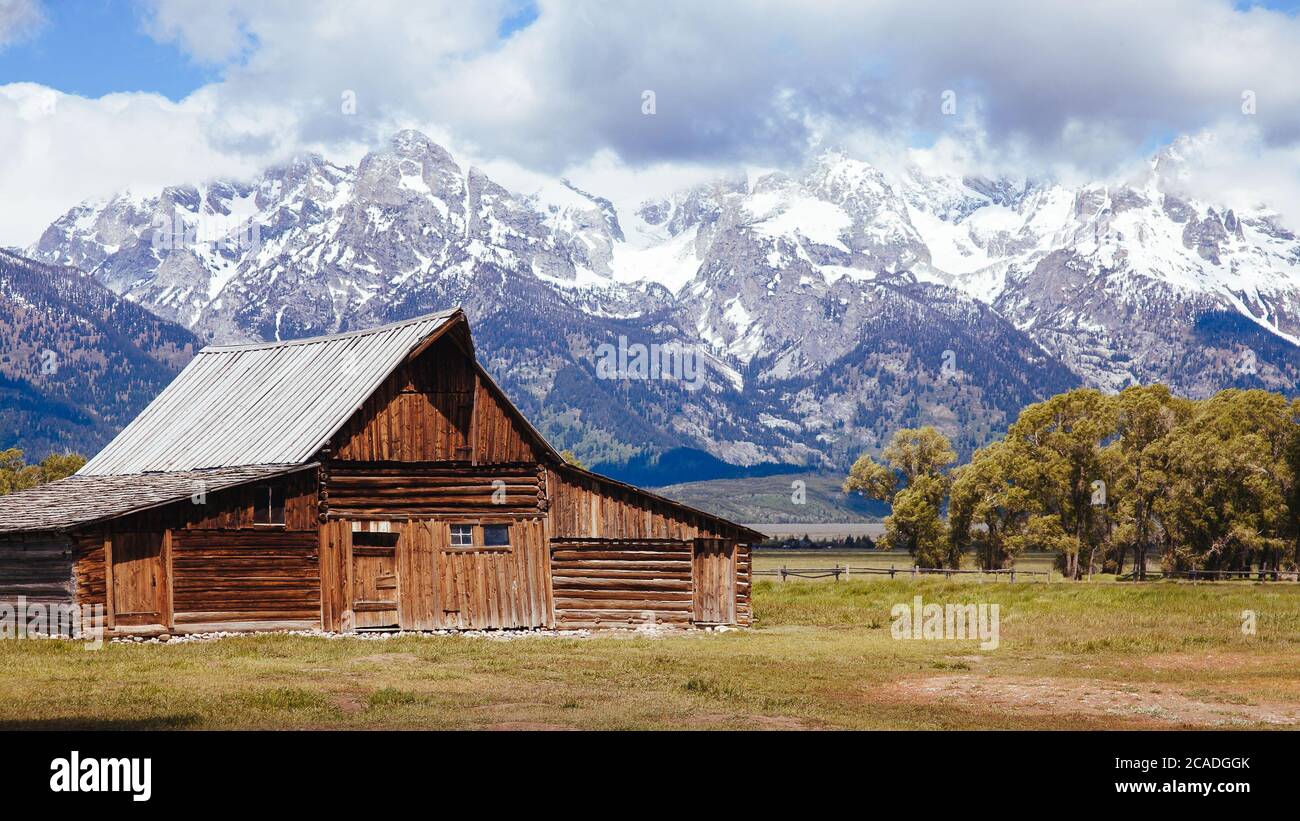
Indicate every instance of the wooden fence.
{"type": "Point", "coordinates": [849, 572]}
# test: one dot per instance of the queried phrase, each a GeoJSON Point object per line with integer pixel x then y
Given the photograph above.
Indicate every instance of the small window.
{"type": "Point", "coordinates": [374, 538]}
{"type": "Point", "coordinates": [268, 504]}
{"type": "Point", "coordinates": [496, 535]}
{"type": "Point", "coordinates": [462, 535]}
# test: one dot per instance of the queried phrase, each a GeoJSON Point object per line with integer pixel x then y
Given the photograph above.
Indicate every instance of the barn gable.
{"type": "Point", "coordinates": [440, 406]}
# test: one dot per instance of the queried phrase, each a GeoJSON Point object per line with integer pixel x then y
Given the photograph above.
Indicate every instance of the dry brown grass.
{"type": "Point", "coordinates": [1071, 656]}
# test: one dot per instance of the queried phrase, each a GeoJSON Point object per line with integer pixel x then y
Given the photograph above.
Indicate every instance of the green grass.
{"type": "Point", "coordinates": [1071, 655]}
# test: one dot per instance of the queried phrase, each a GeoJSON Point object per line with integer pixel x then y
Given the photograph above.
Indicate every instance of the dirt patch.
{"type": "Point", "coordinates": [753, 722]}
{"type": "Point", "coordinates": [347, 702]}
{"type": "Point", "coordinates": [1203, 662]}
{"type": "Point", "coordinates": [778, 723]}
{"type": "Point", "coordinates": [1064, 696]}
{"type": "Point", "coordinates": [526, 725]}
{"type": "Point", "coordinates": [386, 658]}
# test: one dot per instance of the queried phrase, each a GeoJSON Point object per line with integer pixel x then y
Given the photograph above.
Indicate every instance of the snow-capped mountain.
{"type": "Point", "coordinates": [1129, 283]}
{"type": "Point", "coordinates": [826, 307]}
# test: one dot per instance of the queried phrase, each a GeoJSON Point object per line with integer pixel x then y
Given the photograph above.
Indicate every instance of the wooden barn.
{"type": "Point", "coordinates": [371, 480]}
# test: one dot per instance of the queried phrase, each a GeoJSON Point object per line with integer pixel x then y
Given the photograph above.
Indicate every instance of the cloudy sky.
{"type": "Point", "coordinates": [98, 95]}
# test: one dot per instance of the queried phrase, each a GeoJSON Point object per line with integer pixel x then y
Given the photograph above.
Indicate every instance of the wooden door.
{"type": "Point", "coordinates": [375, 601]}
{"type": "Point", "coordinates": [713, 574]}
{"type": "Point", "coordinates": [139, 579]}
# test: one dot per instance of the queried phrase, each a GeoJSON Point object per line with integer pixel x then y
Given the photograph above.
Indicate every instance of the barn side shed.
{"type": "Point", "coordinates": [377, 479]}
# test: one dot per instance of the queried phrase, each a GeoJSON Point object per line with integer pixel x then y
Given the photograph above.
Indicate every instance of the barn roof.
{"type": "Point", "coordinates": [238, 413]}
{"type": "Point", "coordinates": [275, 403]}
{"type": "Point", "coordinates": [80, 500]}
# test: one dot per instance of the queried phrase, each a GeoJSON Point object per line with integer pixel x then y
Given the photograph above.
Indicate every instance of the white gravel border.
{"type": "Point", "coordinates": [646, 631]}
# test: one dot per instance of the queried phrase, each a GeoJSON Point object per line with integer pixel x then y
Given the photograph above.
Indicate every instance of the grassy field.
{"type": "Point", "coordinates": [1071, 656]}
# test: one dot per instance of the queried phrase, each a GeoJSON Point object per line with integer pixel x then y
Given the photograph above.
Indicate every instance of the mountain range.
{"type": "Point", "coordinates": [818, 309]}
{"type": "Point", "coordinates": [77, 362]}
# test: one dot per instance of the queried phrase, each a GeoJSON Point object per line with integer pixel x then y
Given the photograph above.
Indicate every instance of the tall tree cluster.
{"type": "Point", "coordinates": [16, 474]}
{"type": "Point", "coordinates": [1107, 481]}
{"type": "Point", "coordinates": [913, 482]}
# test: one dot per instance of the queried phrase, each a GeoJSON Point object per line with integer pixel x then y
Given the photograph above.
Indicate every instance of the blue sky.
{"type": "Point", "coordinates": [95, 47]}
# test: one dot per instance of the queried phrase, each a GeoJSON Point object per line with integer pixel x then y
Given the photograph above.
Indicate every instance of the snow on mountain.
{"type": "Point", "coordinates": [816, 297]}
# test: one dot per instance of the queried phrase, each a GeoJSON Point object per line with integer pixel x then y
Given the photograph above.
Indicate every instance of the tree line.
{"type": "Point", "coordinates": [1106, 481]}
{"type": "Point", "coordinates": [806, 542]}
{"type": "Point", "coordinates": [16, 474]}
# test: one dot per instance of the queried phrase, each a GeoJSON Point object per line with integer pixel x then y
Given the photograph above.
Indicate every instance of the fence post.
{"type": "Point", "coordinates": [891, 571]}
{"type": "Point", "coordinates": [914, 571]}
{"type": "Point", "coordinates": [782, 572]}
{"type": "Point", "coordinates": [1013, 575]}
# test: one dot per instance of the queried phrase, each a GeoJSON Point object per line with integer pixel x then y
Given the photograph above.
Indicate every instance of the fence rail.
{"type": "Point", "coordinates": [849, 572]}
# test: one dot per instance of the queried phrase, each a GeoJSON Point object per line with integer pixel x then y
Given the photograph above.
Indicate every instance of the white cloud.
{"type": "Point", "coordinates": [1066, 89]}
{"type": "Point", "coordinates": [1233, 166]}
{"type": "Point", "coordinates": [19, 19]}
{"type": "Point", "coordinates": [57, 149]}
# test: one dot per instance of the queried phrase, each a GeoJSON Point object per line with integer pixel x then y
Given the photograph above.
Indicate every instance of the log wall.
{"type": "Point", "coordinates": [245, 577]}
{"type": "Point", "coordinates": [622, 583]}
{"type": "Point", "coordinates": [744, 583]}
{"type": "Point", "coordinates": [38, 566]}
{"type": "Point", "coordinates": [603, 583]}
{"type": "Point", "coordinates": [360, 489]}
{"type": "Point", "coordinates": [90, 582]}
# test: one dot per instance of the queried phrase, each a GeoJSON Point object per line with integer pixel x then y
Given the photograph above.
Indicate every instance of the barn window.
{"type": "Point", "coordinates": [496, 535]}
{"type": "Point", "coordinates": [374, 538]}
{"type": "Point", "coordinates": [268, 504]}
{"type": "Point", "coordinates": [462, 535]}
{"type": "Point", "coordinates": [480, 536]}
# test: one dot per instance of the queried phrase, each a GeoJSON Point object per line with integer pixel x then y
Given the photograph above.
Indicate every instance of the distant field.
{"type": "Point", "coordinates": [1070, 655]}
{"type": "Point", "coordinates": [773, 499]}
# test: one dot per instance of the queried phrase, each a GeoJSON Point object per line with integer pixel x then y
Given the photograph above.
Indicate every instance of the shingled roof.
{"type": "Point", "coordinates": [79, 500]}
{"type": "Point", "coordinates": [275, 403]}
